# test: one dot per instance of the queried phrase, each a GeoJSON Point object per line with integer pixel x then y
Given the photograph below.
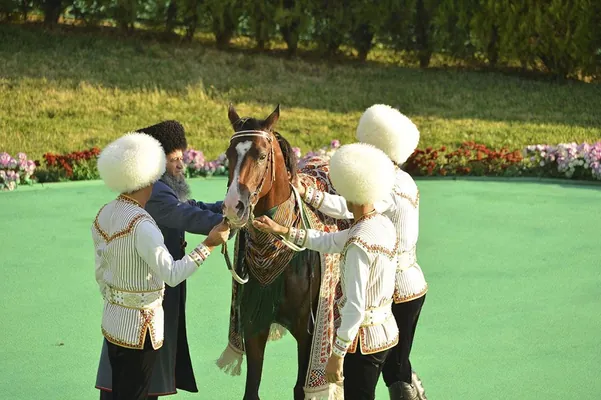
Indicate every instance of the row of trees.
{"type": "Point", "coordinates": [562, 36]}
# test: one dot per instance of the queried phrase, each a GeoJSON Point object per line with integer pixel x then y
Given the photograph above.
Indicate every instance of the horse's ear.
{"type": "Point", "coordinates": [232, 114]}
{"type": "Point", "coordinates": [272, 119]}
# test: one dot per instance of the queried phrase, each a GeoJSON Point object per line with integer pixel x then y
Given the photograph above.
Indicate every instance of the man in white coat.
{"type": "Point", "coordinates": [366, 328]}
{"type": "Point", "coordinates": [133, 264]}
{"type": "Point", "coordinates": [396, 135]}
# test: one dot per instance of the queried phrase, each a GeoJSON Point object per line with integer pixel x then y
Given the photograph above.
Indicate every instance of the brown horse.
{"type": "Point", "coordinates": [280, 286]}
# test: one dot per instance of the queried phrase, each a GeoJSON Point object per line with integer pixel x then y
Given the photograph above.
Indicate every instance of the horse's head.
{"type": "Point", "coordinates": [255, 161]}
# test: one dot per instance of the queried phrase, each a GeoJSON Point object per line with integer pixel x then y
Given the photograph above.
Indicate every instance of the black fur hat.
{"type": "Point", "coordinates": [170, 134]}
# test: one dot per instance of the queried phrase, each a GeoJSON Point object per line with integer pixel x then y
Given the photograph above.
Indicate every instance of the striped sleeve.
{"type": "Point", "coordinates": [354, 286]}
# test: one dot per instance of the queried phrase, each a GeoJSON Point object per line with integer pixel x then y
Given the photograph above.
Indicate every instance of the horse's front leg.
{"type": "Point", "coordinates": [306, 298]}
{"type": "Point", "coordinates": [255, 351]}
{"type": "Point", "coordinates": [303, 342]}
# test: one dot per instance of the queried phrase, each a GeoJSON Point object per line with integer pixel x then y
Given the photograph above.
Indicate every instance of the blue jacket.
{"type": "Point", "coordinates": [175, 218]}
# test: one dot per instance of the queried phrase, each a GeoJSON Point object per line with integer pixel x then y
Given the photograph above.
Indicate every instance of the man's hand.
{"type": "Point", "coordinates": [334, 369]}
{"type": "Point", "coordinates": [218, 235]}
{"type": "Point", "coordinates": [267, 225]}
{"type": "Point", "coordinates": [298, 186]}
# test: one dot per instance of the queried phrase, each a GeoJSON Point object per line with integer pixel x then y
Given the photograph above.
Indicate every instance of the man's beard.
{"type": "Point", "coordinates": [179, 186]}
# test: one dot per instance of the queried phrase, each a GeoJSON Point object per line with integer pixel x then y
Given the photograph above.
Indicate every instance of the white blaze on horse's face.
{"type": "Point", "coordinates": [235, 205]}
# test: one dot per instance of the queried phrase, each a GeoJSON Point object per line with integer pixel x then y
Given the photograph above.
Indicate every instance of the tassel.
{"type": "Point", "coordinates": [230, 361]}
{"type": "Point", "coordinates": [276, 332]}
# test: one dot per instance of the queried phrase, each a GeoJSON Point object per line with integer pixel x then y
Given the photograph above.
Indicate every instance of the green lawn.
{"type": "Point", "coordinates": [65, 92]}
{"type": "Point", "coordinates": [512, 312]}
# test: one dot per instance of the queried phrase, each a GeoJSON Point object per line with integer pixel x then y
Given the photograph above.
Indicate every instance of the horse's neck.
{"type": "Point", "coordinates": [279, 193]}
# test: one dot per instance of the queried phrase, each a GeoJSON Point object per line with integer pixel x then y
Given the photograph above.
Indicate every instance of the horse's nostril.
{"type": "Point", "coordinates": [240, 206]}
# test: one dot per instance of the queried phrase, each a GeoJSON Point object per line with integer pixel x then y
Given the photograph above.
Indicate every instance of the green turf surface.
{"type": "Point", "coordinates": [512, 312]}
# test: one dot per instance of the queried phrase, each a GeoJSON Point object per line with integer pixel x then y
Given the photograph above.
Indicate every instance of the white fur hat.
{"type": "Point", "coordinates": [361, 173]}
{"type": "Point", "coordinates": [388, 130]}
{"type": "Point", "coordinates": [131, 162]}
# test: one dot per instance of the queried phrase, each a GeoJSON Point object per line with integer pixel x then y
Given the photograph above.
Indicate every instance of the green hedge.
{"type": "Point", "coordinates": [562, 37]}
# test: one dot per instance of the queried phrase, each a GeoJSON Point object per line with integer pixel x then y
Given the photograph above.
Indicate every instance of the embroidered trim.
{"type": "Point", "coordinates": [309, 194]}
{"type": "Point", "coordinates": [372, 248]}
{"type": "Point", "coordinates": [129, 200]}
{"type": "Point", "coordinates": [408, 297]}
{"type": "Point", "coordinates": [147, 316]}
{"type": "Point", "coordinates": [200, 254]}
{"type": "Point", "coordinates": [119, 234]}
{"type": "Point", "coordinates": [382, 347]}
{"type": "Point", "coordinates": [414, 202]}
{"type": "Point", "coordinates": [298, 236]}
{"type": "Point", "coordinates": [314, 197]}
{"type": "Point", "coordinates": [366, 217]}
{"type": "Point", "coordinates": [340, 346]}
{"type": "Point", "coordinates": [135, 300]}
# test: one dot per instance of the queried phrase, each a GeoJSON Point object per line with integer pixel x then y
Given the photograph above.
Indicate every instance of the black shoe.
{"type": "Point", "coordinates": [395, 391]}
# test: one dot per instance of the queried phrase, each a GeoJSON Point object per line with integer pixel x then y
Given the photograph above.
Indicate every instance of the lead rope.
{"type": "Point", "coordinates": [296, 248]}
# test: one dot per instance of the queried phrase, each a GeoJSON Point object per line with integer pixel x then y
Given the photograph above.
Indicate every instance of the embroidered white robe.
{"type": "Point", "coordinates": [367, 277]}
{"type": "Point", "coordinates": [402, 207]}
{"type": "Point", "coordinates": [132, 265]}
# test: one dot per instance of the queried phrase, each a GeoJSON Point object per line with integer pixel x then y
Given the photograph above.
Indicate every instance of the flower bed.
{"type": "Point", "coordinates": [15, 171]}
{"type": "Point", "coordinates": [567, 161]}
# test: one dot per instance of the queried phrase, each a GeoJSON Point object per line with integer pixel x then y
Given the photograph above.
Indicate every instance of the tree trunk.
{"type": "Point", "coordinates": [171, 17]}
{"type": "Point", "coordinates": [492, 50]}
{"type": "Point", "coordinates": [52, 12]}
{"type": "Point", "coordinates": [423, 34]}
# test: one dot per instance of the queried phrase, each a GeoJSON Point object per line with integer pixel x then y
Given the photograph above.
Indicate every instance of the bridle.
{"type": "Point", "coordinates": [254, 197]}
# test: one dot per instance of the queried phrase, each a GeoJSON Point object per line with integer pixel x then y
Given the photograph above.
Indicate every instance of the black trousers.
{"type": "Point", "coordinates": [361, 373]}
{"type": "Point", "coordinates": [132, 370]}
{"type": "Point", "coordinates": [397, 367]}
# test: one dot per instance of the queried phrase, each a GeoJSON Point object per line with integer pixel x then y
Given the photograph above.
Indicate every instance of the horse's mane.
{"type": "Point", "coordinates": [289, 157]}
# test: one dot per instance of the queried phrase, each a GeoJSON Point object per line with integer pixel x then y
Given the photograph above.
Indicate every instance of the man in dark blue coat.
{"type": "Point", "coordinates": [175, 215]}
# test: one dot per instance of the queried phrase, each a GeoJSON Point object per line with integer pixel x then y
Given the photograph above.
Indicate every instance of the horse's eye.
{"type": "Point", "coordinates": [262, 157]}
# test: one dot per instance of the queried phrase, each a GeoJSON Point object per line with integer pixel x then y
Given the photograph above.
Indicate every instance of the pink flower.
{"type": "Point", "coordinates": [335, 144]}
{"type": "Point", "coordinates": [12, 163]}
{"type": "Point", "coordinates": [5, 160]}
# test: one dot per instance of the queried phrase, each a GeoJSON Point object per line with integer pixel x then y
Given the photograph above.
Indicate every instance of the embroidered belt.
{"type": "Point", "coordinates": [136, 300]}
{"type": "Point", "coordinates": [406, 260]}
{"type": "Point", "coordinates": [377, 315]}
